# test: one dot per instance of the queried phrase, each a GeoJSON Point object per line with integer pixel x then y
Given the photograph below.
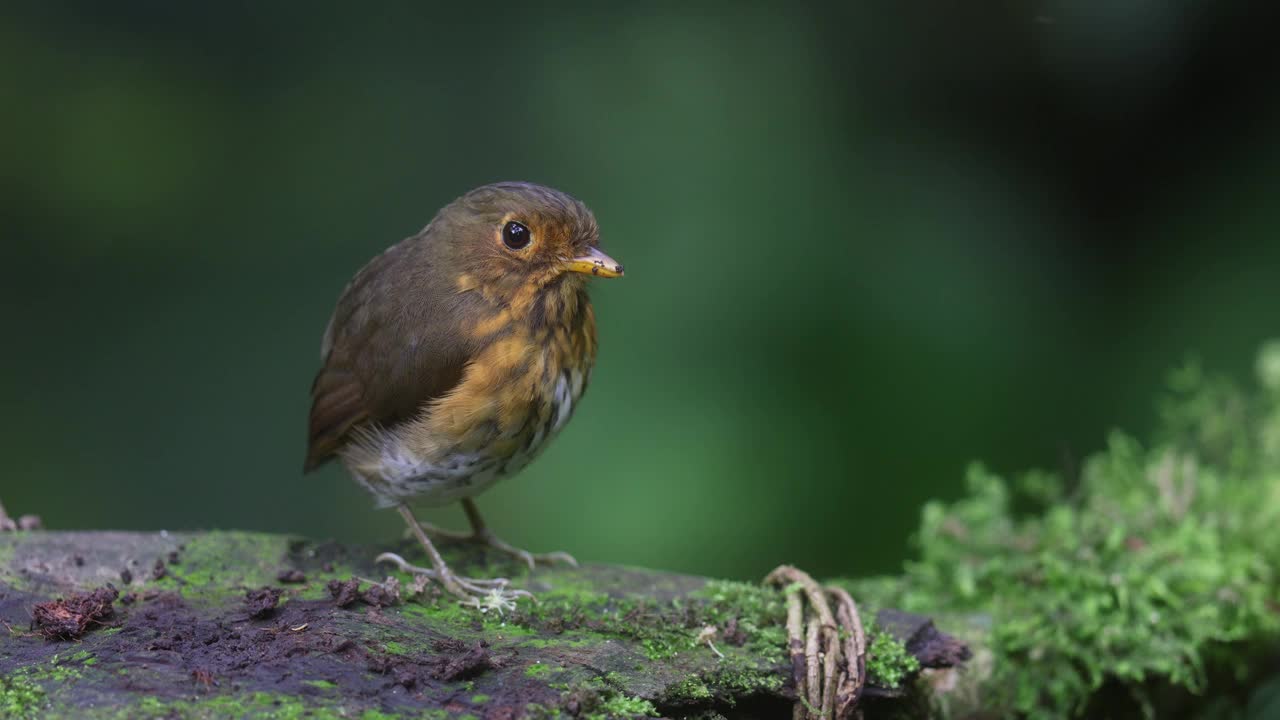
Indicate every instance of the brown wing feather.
{"type": "Point", "coordinates": [392, 346]}
{"type": "Point", "coordinates": [337, 406]}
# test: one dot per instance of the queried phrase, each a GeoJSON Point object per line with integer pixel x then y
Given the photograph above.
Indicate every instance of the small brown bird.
{"type": "Point", "coordinates": [456, 355]}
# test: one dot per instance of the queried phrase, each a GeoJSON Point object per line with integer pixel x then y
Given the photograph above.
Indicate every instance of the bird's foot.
{"type": "Point", "coordinates": [484, 594]}
{"type": "Point", "coordinates": [486, 537]}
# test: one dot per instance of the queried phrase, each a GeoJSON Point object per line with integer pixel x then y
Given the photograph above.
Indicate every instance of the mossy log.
{"type": "Point", "coordinates": [234, 624]}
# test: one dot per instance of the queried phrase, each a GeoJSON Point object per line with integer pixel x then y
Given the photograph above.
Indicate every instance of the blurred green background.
{"type": "Point", "coordinates": [864, 246]}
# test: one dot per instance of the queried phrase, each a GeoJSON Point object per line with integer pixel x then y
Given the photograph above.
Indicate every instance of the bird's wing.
{"type": "Point", "coordinates": [382, 359]}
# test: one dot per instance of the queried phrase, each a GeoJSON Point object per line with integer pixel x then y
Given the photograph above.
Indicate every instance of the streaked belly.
{"type": "Point", "coordinates": [398, 467]}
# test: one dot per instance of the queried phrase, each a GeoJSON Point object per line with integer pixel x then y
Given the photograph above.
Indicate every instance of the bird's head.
{"type": "Point", "coordinates": [512, 240]}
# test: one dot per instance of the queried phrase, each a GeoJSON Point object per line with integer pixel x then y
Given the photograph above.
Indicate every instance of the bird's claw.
{"type": "Point", "coordinates": [528, 558]}
{"type": "Point", "coordinates": [482, 593]}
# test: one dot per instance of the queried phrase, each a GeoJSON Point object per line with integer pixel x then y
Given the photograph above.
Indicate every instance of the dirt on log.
{"type": "Point", "coordinates": [232, 624]}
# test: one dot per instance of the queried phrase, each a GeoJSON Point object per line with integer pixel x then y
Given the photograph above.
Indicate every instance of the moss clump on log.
{"type": "Point", "coordinates": [1146, 585]}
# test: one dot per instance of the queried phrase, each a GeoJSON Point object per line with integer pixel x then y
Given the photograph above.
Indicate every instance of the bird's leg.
{"type": "Point", "coordinates": [468, 589]}
{"type": "Point", "coordinates": [482, 534]}
{"type": "Point", "coordinates": [437, 532]}
{"type": "Point", "coordinates": [6, 522]}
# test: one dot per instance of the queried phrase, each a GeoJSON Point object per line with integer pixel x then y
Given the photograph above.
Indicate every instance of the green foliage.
{"type": "Point", "coordinates": [1143, 571]}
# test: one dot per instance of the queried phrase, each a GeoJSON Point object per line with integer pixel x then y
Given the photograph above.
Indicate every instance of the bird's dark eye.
{"type": "Point", "coordinates": [516, 236]}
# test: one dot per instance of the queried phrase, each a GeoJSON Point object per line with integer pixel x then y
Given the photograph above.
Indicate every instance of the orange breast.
{"type": "Point", "coordinates": [514, 397]}
{"type": "Point", "coordinates": [515, 386]}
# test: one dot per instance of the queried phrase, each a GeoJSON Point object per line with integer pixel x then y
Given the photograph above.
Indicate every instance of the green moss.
{"type": "Point", "coordinates": [538, 711]}
{"type": "Point", "coordinates": [582, 618]}
{"type": "Point", "coordinates": [888, 662]}
{"type": "Point", "coordinates": [689, 690]}
{"type": "Point", "coordinates": [744, 601]}
{"type": "Point", "coordinates": [84, 657]}
{"type": "Point", "coordinates": [20, 698]}
{"type": "Point", "coordinates": [759, 611]}
{"type": "Point", "coordinates": [598, 698]}
{"type": "Point", "coordinates": [623, 706]}
{"type": "Point", "coordinates": [1153, 568]}
{"type": "Point", "coordinates": [537, 670]}
{"type": "Point", "coordinates": [322, 684]}
{"type": "Point", "coordinates": [259, 705]}
{"type": "Point", "coordinates": [58, 673]}
{"type": "Point", "coordinates": [480, 699]}
{"type": "Point", "coordinates": [465, 621]}
{"type": "Point", "coordinates": [265, 706]}
{"type": "Point", "coordinates": [8, 546]}
{"type": "Point", "coordinates": [574, 614]}
{"type": "Point", "coordinates": [418, 609]}
{"type": "Point", "coordinates": [212, 567]}
{"type": "Point", "coordinates": [151, 706]}
{"type": "Point", "coordinates": [9, 542]}
{"type": "Point", "coordinates": [57, 670]}
{"type": "Point", "coordinates": [736, 678]}
{"type": "Point", "coordinates": [570, 589]}
{"type": "Point", "coordinates": [659, 648]}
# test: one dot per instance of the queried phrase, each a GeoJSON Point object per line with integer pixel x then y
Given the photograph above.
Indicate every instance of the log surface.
{"type": "Point", "coordinates": [233, 624]}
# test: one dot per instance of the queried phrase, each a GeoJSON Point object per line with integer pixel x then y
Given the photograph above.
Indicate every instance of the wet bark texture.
{"type": "Point", "coordinates": [230, 624]}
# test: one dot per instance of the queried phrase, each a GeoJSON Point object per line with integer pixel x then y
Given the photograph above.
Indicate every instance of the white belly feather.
{"type": "Point", "coordinates": [394, 473]}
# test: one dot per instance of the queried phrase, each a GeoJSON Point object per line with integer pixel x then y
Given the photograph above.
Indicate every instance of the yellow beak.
{"type": "Point", "coordinates": [595, 263]}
